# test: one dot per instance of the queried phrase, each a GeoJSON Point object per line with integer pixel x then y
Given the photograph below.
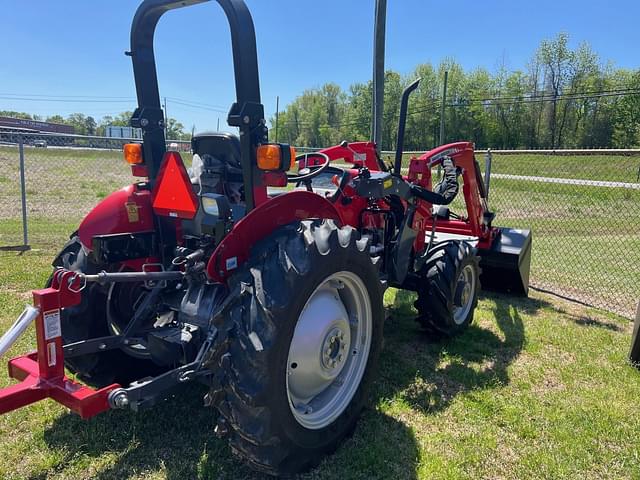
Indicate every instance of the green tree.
{"type": "Point", "coordinates": [175, 130]}
{"type": "Point", "coordinates": [56, 119]}
{"type": "Point", "coordinates": [14, 114]}
{"type": "Point", "coordinates": [78, 122]}
{"type": "Point", "coordinates": [90, 125]}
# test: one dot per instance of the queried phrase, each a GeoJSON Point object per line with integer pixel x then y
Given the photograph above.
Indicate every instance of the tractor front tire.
{"type": "Point", "coordinates": [448, 291]}
{"type": "Point", "coordinates": [89, 320]}
{"type": "Point", "coordinates": [306, 337]}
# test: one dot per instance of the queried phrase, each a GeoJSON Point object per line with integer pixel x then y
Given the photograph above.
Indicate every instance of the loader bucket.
{"type": "Point", "coordinates": [505, 266]}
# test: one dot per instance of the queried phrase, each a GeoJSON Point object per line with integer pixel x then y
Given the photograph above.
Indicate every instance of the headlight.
{"type": "Point", "coordinates": [215, 205]}
{"type": "Point", "coordinates": [210, 206]}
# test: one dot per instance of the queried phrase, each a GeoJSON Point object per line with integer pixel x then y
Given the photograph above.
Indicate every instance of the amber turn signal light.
{"type": "Point", "coordinates": [276, 157]}
{"type": "Point", "coordinates": [133, 153]}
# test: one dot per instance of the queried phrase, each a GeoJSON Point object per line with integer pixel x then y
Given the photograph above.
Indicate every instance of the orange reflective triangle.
{"type": "Point", "coordinates": [173, 195]}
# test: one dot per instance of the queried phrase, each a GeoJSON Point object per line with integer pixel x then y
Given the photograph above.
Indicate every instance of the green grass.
{"type": "Point", "coordinates": [536, 388]}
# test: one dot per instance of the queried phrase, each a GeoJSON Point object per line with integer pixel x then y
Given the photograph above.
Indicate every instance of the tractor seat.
{"type": "Point", "coordinates": [216, 164]}
{"type": "Point", "coordinates": [221, 145]}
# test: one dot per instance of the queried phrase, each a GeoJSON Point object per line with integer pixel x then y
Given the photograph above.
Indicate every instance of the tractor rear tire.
{"type": "Point", "coordinates": [448, 292]}
{"type": "Point", "coordinates": [88, 320]}
{"type": "Point", "coordinates": [293, 285]}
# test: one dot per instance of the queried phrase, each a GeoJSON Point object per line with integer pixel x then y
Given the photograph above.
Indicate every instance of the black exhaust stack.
{"type": "Point", "coordinates": [378, 72]}
{"type": "Point", "coordinates": [402, 122]}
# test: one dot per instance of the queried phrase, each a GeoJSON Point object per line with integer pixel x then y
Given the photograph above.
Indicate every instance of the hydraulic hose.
{"type": "Point", "coordinates": [445, 191]}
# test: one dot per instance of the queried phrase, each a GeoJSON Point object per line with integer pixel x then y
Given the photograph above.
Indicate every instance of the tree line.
{"type": "Point", "coordinates": [88, 125]}
{"type": "Point", "coordinates": [565, 98]}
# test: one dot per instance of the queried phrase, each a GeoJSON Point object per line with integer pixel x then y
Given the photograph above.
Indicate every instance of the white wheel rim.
{"type": "Point", "coordinates": [464, 294]}
{"type": "Point", "coordinates": [329, 350]}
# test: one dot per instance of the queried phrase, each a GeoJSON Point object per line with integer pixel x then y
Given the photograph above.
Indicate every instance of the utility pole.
{"type": "Point", "coordinates": [277, 113]}
{"type": "Point", "coordinates": [166, 119]}
{"type": "Point", "coordinates": [442, 108]}
{"type": "Point", "coordinates": [378, 72]}
{"type": "Point", "coordinates": [218, 127]}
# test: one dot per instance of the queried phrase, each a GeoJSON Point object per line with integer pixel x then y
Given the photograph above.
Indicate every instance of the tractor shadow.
{"type": "Point", "coordinates": [429, 373]}
{"type": "Point", "coordinates": [176, 439]}
{"type": "Point", "coordinates": [176, 436]}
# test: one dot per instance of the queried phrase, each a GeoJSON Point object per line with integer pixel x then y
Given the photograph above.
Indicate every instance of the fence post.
{"type": "Point", "coordinates": [487, 171]}
{"type": "Point", "coordinates": [634, 353]}
{"type": "Point", "coordinates": [23, 195]}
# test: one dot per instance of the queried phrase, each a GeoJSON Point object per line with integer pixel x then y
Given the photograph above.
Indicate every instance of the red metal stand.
{"type": "Point", "coordinates": [41, 373]}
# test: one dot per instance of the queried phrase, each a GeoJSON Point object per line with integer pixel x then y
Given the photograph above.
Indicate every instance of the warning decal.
{"type": "Point", "coordinates": [52, 324]}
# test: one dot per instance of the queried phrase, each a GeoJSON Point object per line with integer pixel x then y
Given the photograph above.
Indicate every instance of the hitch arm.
{"type": "Point", "coordinates": [41, 374]}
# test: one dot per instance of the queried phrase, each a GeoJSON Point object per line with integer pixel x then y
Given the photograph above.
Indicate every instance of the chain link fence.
{"type": "Point", "coordinates": [582, 206]}
{"type": "Point", "coordinates": [584, 211]}
{"type": "Point", "coordinates": [65, 177]}
{"type": "Point", "coordinates": [13, 231]}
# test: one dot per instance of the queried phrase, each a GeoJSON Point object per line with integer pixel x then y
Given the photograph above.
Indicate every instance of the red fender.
{"type": "Point", "coordinates": [126, 211]}
{"type": "Point", "coordinates": [365, 155]}
{"type": "Point", "coordinates": [262, 221]}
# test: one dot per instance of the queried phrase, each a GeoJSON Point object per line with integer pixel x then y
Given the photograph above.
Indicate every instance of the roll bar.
{"type": "Point", "coordinates": [247, 112]}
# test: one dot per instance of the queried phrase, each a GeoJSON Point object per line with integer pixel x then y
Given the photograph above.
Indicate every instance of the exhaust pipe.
{"type": "Point", "coordinates": [402, 122]}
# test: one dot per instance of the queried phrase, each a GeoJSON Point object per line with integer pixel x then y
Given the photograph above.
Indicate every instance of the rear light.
{"type": "Point", "coordinates": [277, 157]}
{"type": "Point", "coordinates": [133, 153]}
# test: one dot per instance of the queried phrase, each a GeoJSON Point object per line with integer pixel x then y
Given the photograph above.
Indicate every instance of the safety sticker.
{"type": "Point", "coordinates": [51, 349]}
{"type": "Point", "coordinates": [232, 263]}
{"type": "Point", "coordinates": [52, 324]}
{"type": "Point", "coordinates": [132, 212]}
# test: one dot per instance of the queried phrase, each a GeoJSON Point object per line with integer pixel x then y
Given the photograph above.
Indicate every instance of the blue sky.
{"type": "Point", "coordinates": [75, 47]}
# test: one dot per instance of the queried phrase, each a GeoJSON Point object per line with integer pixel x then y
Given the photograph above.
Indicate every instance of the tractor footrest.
{"type": "Point", "coordinates": [79, 398]}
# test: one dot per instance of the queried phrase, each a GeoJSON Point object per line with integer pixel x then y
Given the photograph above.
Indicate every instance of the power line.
{"type": "Point", "coordinates": [490, 102]}
{"type": "Point", "coordinates": [33, 97]}
{"type": "Point", "coordinates": [196, 106]}
{"type": "Point", "coordinates": [570, 96]}
{"type": "Point", "coordinates": [551, 95]}
{"type": "Point", "coordinates": [202, 104]}
{"type": "Point", "coordinates": [62, 100]}
{"type": "Point", "coordinates": [64, 96]}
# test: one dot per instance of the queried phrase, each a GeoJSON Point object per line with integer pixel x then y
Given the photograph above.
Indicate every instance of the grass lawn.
{"type": "Point", "coordinates": [536, 388]}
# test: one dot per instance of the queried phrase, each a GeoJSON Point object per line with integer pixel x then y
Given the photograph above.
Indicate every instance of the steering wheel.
{"type": "Point", "coordinates": [307, 173]}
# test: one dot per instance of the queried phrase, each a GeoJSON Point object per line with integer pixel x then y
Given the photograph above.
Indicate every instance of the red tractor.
{"type": "Point", "coordinates": [274, 300]}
